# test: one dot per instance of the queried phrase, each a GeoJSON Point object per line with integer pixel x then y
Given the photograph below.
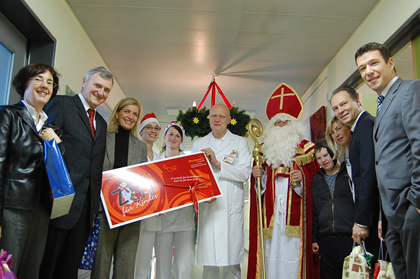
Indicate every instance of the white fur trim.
{"type": "Point", "coordinates": [147, 121]}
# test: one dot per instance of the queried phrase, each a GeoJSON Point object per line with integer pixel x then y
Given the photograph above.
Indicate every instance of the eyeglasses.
{"type": "Point", "coordinates": [156, 128]}
{"type": "Point", "coordinates": [39, 81]}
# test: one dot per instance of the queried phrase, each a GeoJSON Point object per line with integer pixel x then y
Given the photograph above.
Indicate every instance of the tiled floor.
{"type": "Point", "coordinates": [195, 274]}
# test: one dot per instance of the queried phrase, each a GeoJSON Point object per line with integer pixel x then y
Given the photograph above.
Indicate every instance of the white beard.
{"type": "Point", "coordinates": [280, 143]}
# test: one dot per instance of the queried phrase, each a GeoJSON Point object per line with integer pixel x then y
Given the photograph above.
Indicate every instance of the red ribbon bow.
{"type": "Point", "coordinates": [193, 194]}
{"type": "Point", "coordinates": [213, 85]}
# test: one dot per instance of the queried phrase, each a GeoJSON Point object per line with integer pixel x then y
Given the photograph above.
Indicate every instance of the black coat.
{"type": "Point", "coordinates": [23, 179]}
{"type": "Point", "coordinates": [332, 214]}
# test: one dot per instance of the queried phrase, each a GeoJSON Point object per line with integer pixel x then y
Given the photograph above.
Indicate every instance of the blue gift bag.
{"type": "Point", "coordinates": [92, 245]}
{"type": "Point", "coordinates": [61, 186]}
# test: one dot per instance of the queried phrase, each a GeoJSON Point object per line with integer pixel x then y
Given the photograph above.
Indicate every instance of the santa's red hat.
{"type": "Point", "coordinates": [284, 100]}
{"type": "Point", "coordinates": [148, 118]}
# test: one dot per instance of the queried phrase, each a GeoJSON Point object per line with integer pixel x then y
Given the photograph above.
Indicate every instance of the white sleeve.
{"type": "Point", "coordinates": [263, 183]}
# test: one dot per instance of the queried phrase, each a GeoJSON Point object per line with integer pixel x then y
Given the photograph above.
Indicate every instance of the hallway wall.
{"type": "Point", "coordinates": [385, 19]}
{"type": "Point", "coordinates": [75, 53]}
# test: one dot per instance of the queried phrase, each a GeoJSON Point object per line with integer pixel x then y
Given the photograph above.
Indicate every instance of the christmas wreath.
{"type": "Point", "coordinates": [196, 122]}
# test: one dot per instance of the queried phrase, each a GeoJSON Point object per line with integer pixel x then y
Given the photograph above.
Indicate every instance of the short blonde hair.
{"type": "Point", "coordinates": [113, 121]}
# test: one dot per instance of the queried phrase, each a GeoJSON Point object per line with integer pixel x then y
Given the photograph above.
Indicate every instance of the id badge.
{"type": "Point", "coordinates": [230, 158]}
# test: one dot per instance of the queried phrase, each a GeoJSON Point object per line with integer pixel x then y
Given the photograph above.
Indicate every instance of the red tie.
{"type": "Point", "coordinates": [91, 113]}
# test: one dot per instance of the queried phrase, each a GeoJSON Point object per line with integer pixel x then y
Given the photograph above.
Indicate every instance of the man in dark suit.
{"type": "Point", "coordinates": [347, 108]}
{"type": "Point", "coordinates": [397, 155]}
{"type": "Point", "coordinates": [84, 138]}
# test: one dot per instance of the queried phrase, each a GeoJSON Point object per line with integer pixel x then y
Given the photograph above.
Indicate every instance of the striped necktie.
{"type": "Point", "coordinates": [380, 100]}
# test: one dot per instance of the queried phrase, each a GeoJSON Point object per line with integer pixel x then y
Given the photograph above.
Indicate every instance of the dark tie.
{"type": "Point", "coordinates": [380, 100]}
{"type": "Point", "coordinates": [91, 113]}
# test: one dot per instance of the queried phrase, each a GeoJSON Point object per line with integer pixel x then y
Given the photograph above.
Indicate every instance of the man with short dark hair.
{"type": "Point", "coordinates": [397, 155]}
{"type": "Point", "coordinates": [346, 106]}
{"type": "Point", "coordinates": [84, 137]}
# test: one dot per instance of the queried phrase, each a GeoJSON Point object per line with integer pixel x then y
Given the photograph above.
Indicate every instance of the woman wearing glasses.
{"type": "Point", "coordinates": [25, 204]}
{"type": "Point", "coordinates": [149, 131]}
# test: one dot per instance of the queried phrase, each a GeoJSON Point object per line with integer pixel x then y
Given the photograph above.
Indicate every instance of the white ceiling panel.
{"type": "Point", "coordinates": [165, 52]}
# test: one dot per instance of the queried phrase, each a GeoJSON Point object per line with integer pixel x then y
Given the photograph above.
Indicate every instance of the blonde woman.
{"type": "Point", "coordinates": [123, 148]}
{"type": "Point", "coordinates": [338, 137]}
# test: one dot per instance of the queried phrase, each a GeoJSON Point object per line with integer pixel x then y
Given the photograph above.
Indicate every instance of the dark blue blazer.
{"type": "Point", "coordinates": [84, 154]}
{"type": "Point", "coordinates": [362, 159]}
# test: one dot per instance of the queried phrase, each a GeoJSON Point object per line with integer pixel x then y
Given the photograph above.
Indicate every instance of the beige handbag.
{"type": "Point", "coordinates": [355, 265]}
{"type": "Point", "coordinates": [383, 269]}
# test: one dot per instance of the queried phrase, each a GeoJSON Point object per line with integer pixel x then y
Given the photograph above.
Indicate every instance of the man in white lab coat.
{"type": "Point", "coordinates": [221, 222]}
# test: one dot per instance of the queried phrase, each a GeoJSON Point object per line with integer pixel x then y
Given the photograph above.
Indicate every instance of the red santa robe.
{"type": "Point", "coordinates": [298, 218]}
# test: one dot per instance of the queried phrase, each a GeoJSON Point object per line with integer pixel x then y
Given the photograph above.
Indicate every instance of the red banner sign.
{"type": "Point", "coordinates": [137, 192]}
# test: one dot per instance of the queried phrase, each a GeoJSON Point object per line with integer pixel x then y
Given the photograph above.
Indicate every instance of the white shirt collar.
{"type": "Point", "coordinates": [220, 139]}
{"type": "Point", "coordinates": [355, 122]}
{"type": "Point", "coordinates": [42, 116]}
{"type": "Point", "coordinates": [85, 103]}
{"type": "Point", "coordinates": [386, 90]}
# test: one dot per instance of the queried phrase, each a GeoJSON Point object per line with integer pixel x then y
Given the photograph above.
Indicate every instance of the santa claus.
{"type": "Point", "coordinates": [286, 177]}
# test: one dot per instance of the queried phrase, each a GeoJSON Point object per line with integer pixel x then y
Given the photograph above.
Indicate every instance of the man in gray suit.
{"type": "Point", "coordinates": [397, 155]}
{"type": "Point", "coordinates": [84, 138]}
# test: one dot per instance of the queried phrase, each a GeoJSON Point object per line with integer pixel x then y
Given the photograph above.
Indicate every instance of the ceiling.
{"type": "Point", "coordinates": [165, 52]}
